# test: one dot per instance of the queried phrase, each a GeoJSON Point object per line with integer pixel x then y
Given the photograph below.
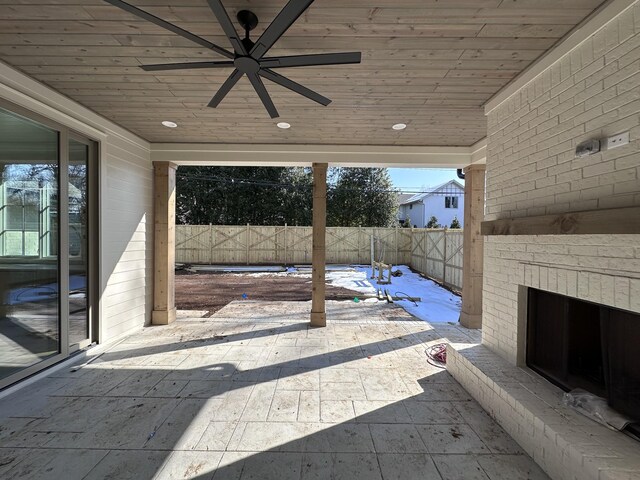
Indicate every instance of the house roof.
{"type": "Point", "coordinates": [452, 186]}
{"type": "Point", "coordinates": [403, 197]}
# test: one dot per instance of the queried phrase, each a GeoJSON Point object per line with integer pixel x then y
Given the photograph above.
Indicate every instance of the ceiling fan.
{"type": "Point", "coordinates": [248, 57]}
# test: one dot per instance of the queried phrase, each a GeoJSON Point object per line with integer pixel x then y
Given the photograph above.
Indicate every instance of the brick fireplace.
{"type": "Point", "coordinates": [601, 269]}
{"type": "Point", "coordinates": [565, 225]}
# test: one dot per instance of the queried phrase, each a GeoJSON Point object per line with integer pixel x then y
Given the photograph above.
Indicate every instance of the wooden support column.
{"type": "Point", "coordinates": [318, 314]}
{"type": "Point", "coordinates": [473, 259]}
{"type": "Point", "coordinates": [164, 304]}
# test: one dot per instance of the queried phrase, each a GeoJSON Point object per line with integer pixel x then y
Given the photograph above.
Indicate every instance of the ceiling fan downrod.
{"type": "Point", "coordinates": [248, 21]}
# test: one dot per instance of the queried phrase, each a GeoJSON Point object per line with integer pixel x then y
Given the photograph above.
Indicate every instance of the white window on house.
{"type": "Point", "coordinates": [411, 206]}
{"type": "Point", "coordinates": [450, 202]}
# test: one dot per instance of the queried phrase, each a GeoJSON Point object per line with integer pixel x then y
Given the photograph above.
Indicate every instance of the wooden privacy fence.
{"type": "Point", "coordinates": [435, 252]}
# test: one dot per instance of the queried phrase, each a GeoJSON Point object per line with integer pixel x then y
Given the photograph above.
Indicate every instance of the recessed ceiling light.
{"type": "Point", "coordinates": [283, 125]}
{"type": "Point", "coordinates": [399, 126]}
{"type": "Point", "coordinates": [169, 124]}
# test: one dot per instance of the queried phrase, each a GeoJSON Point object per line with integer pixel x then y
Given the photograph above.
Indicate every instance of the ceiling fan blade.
{"type": "Point", "coordinates": [159, 67]}
{"type": "Point", "coordinates": [280, 24]}
{"type": "Point", "coordinates": [169, 26]}
{"type": "Point", "coordinates": [294, 86]}
{"type": "Point", "coordinates": [256, 81]}
{"type": "Point", "coordinates": [312, 60]}
{"type": "Point", "coordinates": [225, 88]}
{"type": "Point", "coordinates": [225, 22]}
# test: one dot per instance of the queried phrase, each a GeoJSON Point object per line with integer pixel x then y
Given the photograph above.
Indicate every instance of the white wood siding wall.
{"type": "Point", "coordinates": [434, 205]}
{"type": "Point", "coordinates": [416, 214]}
{"type": "Point", "coordinates": [127, 238]}
{"type": "Point", "coordinates": [126, 266]}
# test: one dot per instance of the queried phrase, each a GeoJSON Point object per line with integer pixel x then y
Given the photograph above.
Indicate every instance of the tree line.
{"type": "Point", "coordinates": [279, 195]}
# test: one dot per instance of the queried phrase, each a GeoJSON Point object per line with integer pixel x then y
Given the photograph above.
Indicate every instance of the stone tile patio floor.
{"type": "Point", "coordinates": [254, 393]}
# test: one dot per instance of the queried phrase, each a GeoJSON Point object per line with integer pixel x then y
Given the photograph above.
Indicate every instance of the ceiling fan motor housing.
{"type": "Point", "coordinates": [246, 64]}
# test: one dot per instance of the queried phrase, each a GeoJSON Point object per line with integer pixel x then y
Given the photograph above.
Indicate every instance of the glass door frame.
{"type": "Point", "coordinates": [65, 134]}
{"type": "Point", "coordinates": [93, 171]}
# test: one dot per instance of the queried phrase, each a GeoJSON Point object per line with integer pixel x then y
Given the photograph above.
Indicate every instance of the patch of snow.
{"type": "Point", "coordinates": [436, 304]}
{"type": "Point", "coordinates": [356, 279]}
{"type": "Point", "coordinates": [284, 273]}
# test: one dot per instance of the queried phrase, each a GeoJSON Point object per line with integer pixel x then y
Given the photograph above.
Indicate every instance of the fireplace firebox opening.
{"type": "Point", "coordinates": [579, 344]}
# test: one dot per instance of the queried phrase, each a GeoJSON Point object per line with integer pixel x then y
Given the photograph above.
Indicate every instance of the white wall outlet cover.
{"type": "Point", "coordinates": [617, 140]}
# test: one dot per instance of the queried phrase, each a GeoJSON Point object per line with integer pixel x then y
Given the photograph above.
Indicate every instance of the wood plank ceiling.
{"type": "Point", "coordinates": [428, 63]}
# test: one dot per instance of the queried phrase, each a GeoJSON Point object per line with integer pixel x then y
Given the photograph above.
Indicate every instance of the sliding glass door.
{"type": "Point", "coordinates": [45, 253]}
{"type": "Point", "coordinates": [29, 225]}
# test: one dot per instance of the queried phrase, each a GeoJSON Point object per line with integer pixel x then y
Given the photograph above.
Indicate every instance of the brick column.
{"type": "Point", "coordinates": [164, 243]}
{"type": "Point", "coordinates": [473, 259]}
{"type": "Point", "coordinates": [318, 314]}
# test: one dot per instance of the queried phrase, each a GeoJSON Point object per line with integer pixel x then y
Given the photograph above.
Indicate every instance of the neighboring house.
{"type": "Point", "coordinates": [402, 199]}
{"type": "Point", "coordinates": [445, 202]}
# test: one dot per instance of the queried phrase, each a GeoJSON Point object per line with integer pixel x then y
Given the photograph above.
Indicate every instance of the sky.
{"type": "Point", "coordinates": [416, 179]}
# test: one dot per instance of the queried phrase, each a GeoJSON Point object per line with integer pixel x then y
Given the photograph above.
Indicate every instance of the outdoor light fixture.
{"type": "Point", "coordinates": [283, 125]}
{"type": "Point", "coordinates": [169, 124]}
{"type": "Point", "coordinates": [399, 126]}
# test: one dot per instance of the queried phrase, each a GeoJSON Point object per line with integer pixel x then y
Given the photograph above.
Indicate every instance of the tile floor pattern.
{"type": "Point", "coordinates": [254, 393]}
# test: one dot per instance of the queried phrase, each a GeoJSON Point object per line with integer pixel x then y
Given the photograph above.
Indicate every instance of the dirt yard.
{"type": "Point", "coordinates": [212, 291]}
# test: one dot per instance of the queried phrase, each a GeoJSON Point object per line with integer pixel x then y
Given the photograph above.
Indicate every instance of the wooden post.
{"type": "Point", "coordinates": [248, 241]}
{"type": "Point", "coordinates": [210, 244]}
{"type": "Point", "coordinates": [425, 240]}
{"type": "Point", "coordinates": [473, 246]}
{"type": "Point", "coordinates": [318, 314]}
{"type": "Point", "coordinates": [373, 258]}
{"type": "Point", "coordinates": [397, 261]}
{"type": "Point", "coordinates": [164, 251]}
{"type": "Point", "coordinates": [444, 258]}
{"type": "Point", "coordinates": [411, 249]}
{"type": "Point", "coordinates": [285, 245]}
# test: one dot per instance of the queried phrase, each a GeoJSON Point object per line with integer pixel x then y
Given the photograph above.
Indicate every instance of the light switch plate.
{"type": "Point", "coordinates": [617, 140]}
